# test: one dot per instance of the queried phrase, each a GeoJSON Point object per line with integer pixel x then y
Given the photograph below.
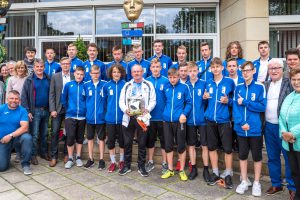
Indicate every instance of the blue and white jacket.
{"type": "Point", "coordinates": [111, 94]}
{"type": "Point", "coordinates": [178, 101]}
{"type": "Point", "coordinates": [95, 103]}
{"type": "Point", "coordinates": [75, 62]}
{"type": "Point", "coordinates": [256, 64]}
{"type": "Point", "coordinates": [87, 68]}
{"type": "Point", "coordinates": [166, 63]}
{"type": "Point", "coordinates": [254, 103]}
{"type": "Point", "coordinates": [240, 61]}
{"type": "Point", "coordinates": [202, 66]}
{"type": "Point", "coordinates": [108, 65]}
{"type": "Point", "coordinates": [196, 116]}
{"type": "Point", "coordinates": [52, 68]}
{"type": "Point", "coordinates": [73, 99]}
{"type": "Point", "coordinates": [145, 65]}
{"type": "Point", "coordinates": [217, 111]}
{"type": "Point", "coordinates": [159, 85]}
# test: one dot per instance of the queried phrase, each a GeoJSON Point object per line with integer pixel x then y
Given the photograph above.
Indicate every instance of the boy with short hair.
{"type": "Point", "coordinates": [75, 61]}
{"type": "Point", "coordinates": [178, 106]}
{"type": "Point", "coordinates": [181, 56]}
{"type": "Point", "coordinates": [51, 67]}
{"type": "Point", "coordinates": [117, 54]}
{"type": "Point", "coordinates": [204, 64]}
{"type": "Point", "coordinates": [29, 59]}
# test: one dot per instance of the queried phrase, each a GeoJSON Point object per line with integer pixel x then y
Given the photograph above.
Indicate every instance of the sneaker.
{"type": "Point", "coordinates": [190, 166]}
{"type": "Point", "coordinates": [17, 158]}
{"type": "Point", "coordinates": [183, 176]}
{"type": "Point", "coordinates": [124, 171]}
{"type": "Point", "coordinates": [27, 170]}
{"type": "Point", "coordinates": [256, 189]}
{"type": "Point", "coordinates": [248, 181]}
{"type": "Point", "coordinates": [85, 141]}
{"type": "Point", "coordinates": [228, 182]}
{"type": "Point", "coordinates": [121, 165]}
{"type": "Point", "coordinates": [193, 174]}
{"type": "Point", "coordinates": [112, 167]}
{"type": "Point", "coordinates": [101, 165]}
{"type": "Point", "coordinates": [164, 168]}
{"type": "Point", "coordinates": [206, 175]}
{"type": "Point", "coordinates": [223, 175]}
{"type": "Point", "coordinates": [34, 160]}
{"type": "Point", "coordinates": [69, 164]}
{"type": "Point", "coordinates": [149, 166]}
{"type": "Point", "coordinates": [143, 171]}
{"type": "Point", "coordinates": [214, 179]}
{"type": "Point", "coordinates": [89, 163]}
{"type": "Point", "coordinates": [177, 166]}
{"type": "Point", "coordinates": [242, 188]}
{"type": "Point", "coordinates": [167, 174]}
{"type": "Point", "coordinates": [79, 162]}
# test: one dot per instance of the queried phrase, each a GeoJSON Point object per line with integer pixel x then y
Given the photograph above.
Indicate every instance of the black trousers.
{"type": "Point", "coordinates": [128, 133]}
{"type": "Point", "coordinates": [294, 160]}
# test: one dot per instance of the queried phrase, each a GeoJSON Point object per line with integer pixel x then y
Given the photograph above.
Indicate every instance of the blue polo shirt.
{"type": "Point", "coordinates": [41, 89]}
{"type": "Point", "coordinates": [10, 119]}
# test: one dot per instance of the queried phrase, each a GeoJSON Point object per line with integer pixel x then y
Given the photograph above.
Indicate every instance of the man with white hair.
{"type": "Point", "coordinates": [277, 89]}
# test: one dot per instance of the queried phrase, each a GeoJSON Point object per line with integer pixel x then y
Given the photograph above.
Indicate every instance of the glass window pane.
{"type": "Point", "coordinates": [108, 21]}
{"type": "Point", "coordinates": [15, 48]}
{"type": "Point", "coordinates": [20, 25]}
{"type": "Point", "coordinates": [24, 1]}
{"type": "Point", "coordinates": [284, 7]}
{"type": "Point", "coordinates": [105, 45]}
{"type": "Point", "coordinates": [73, 22]}
{"type": "Point", "coordinates": [192, 45]}
{"type": "Point", "coordinates": [185, 20]}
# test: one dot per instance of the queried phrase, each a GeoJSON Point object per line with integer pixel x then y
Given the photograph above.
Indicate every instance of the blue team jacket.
{"type": "Point", "coordinates": [159, 85]}
{"type": "Point", "coordinates": [75, 62]}
{"type": "Point", "coordinates": [196, 116]}
{"type": "Point", "coordinates": [202, 65]}
{"type": "Point", "coordinates": [111, 95]}
{"type": "Point", "coordinates": [256, 64]}
{"type": "Point", "coordinates": [217, 111]}
{"type": "Point", "coordinates": [73, 99]}
{"type": "Point", "coordinates": [166, 63]}
{"type": "Point", "coordinates": [178, 101]}
{"type": "Point", "coordinates": [108, 65]}
{"type": "Point", "coordinates": [52, 68]}
{"type": "Point", "coordinates": [87, 68]}
{"type": "Point", "coordinates": [254, 103]}
{"type": "Point", "coordinates": [145, 65]}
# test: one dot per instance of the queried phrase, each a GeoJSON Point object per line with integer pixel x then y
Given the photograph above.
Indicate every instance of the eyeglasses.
{"type": "Point", "coordinates": [246, 70]}
{"type": "Point", "coordinates": [275, 68]}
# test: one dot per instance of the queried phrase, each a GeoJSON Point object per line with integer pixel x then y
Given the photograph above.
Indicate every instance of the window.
{"type": "Point", "coordinates": [15, 48]}
{"type": "Point", "coordinates": [20, 25]}
{"type": "Point", "coordinates": [284, 7]}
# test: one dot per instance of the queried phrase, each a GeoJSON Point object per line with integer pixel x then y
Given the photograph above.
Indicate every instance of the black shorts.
{"type": "Point", "coordinates": [98, 129]}
{"type": "Point", "coordinates": [114, 132]}
{"type": "Point", "coordinates": [193, 131]}
{"type": "Point", "coordinates": [74, 131]}
{"type": "Point", "coordinates": [155, 129]}
{"type": "Point", "coordinates": [174, 130]}
{"type": "Point", "coordinates": [250, 143]}
{"type": "Point", "coordinates": [219, 132]}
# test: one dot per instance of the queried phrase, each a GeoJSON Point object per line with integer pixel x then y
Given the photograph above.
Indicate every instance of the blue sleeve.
{"type": "Point", "coordinates": [238, 117]}
{"type": "Point", "coordinates": [259, 105]}
{"type": "Point", "coordinates": [24, 115]}
{"type": "Point", "coordinates": [170, 63]}
{"type": "Point", "coordinates": [103, 71]}
{"type": "Point", "coordinates": [188, 102]}
{"type": "Point", "coordinates": [231, 94]}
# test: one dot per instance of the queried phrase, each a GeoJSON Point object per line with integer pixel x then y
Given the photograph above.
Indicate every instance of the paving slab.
{"type": "Point", "coordinates": [12, 195]}
{"type": "Point", "coordinates": [60, 168]}
{"type": "Point", "coordinates": [29, 187]}
{"type": "Point", "coordinates": [76, 192]}
{"type": "Point", "coordinates": [5, 185]}
{"type": "Point", "coordinates": [88, 178]}
{"type": "Point", "coordinates": [15, 177]}
{"type": "Point", "coordinates": [45, 195]}
{"type": "Point", "coordinates": [173, 196]}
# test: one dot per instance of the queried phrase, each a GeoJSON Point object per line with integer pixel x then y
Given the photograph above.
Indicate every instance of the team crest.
{"type": "Point", "coordinates": [200, 69]}
{"type": "Point", "coordinates": [199, 92]}
{"type": "Point", "coordinates": [74, 67]}
{"type": "Point", "coordinates": [90, 93]}
{"type": "Point", "coordinates": [179, 95]}
{"type": "Point", "coordinates": [161, 87]}
{"type": "Point", "coordinates": [223, 90]}
{"type": "Point", "coordinates": [253, 96]}
{"type": "Point", "coordinates": [211, 90]}
{"type": "Point", "coordinates": [164, 65]}
{"type": "Point", "coordinates": [83, 92]}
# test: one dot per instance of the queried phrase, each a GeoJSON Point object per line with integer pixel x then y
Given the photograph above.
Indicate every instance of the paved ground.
{"type": "Point", "coordinates": [79, 183]}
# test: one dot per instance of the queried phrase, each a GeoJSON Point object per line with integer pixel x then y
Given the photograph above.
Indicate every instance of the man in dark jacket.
{"type": "Point", "coordinates": [35, 99]}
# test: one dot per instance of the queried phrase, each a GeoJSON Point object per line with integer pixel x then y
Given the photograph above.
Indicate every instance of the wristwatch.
{"type": "Point", "coordinates": [11, 135]}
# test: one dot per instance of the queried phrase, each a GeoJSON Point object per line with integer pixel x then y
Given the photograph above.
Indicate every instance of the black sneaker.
{"type": "Point", "coordinates": [124, 171]}
{"type": "Point", "coordinates": [206, 175]}
{"type": "Point", "coordinates": [193, 174]}
{"type": "Point", "coordinates": [89, 163]}
{"type": "Point", "coordinates": [228, 182]}
{"type": "Point", "coordinates": [101, 164]}
{"type": "Point", "coordinates": [213, 180]}
{"type": "Point", "coordinates": [143, 171]}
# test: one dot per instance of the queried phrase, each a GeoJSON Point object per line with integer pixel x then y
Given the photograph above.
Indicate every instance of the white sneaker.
{"type": "Point", "coordinates": [69, 164]}
{"type": "Point", "coordinates": [79, 162]}
{"type": "Point", "coordinates": [248, 181]}
{"type": "Point", "coordinates": [256, 189]}
{"type": "Point", "coordinates": [242, 188]}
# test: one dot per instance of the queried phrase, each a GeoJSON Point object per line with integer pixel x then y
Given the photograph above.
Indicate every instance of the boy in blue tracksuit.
{"type": "Point", "coordinates": [178, 106]}
{"type": "Point", "coordinates": [166, 61]}
{"type": "Point", "coordinates": [95, 111]}
{"type": "Point", "coordinates": [138, 59]}
{"type": "Point", "coordinates": [181, 56]}
{"type": "Point", "coordinates": [204, 64]}
{"type": "Point", "coordinates": [261, 64]}
{"type": "Point", "coordinates": [196, 121]}
{"type": "Point", "coordinates": [113, 117]}
{"type": "Point", "coordinates": [118, 59]}
{"type": "Point", "coordinates": [51, 67]}
{"type": "Point", "coordinates": [75, 61]}
{"type": "Point", "coordinates": [249, 102]}
{"type": "Point", "coordinates": [92, 60]}
{"type": "Point", "coordinates": [219, 92]}
{"type": "Point", "coordinates": [156, 121]}
{"type": "Point", "coordinates": [73, 99]}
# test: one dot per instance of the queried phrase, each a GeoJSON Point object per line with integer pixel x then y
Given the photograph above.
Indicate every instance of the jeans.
{"type": "Point", "coordinates": [55, 126]}
{"type": "Point", "coordinates": [274, 149]}
{"type": "Point", "coordinates": [24, 143]}
{"type": "Point", "coordinates": [40, 125]}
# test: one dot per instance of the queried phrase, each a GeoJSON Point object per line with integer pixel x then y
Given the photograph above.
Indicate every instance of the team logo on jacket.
{"type": "Point", "coordinates": [86, 69]}
{"type": "Point", "coordinates": [111, 92]}
{"type": "Point", "coordinates": [200, 69]}
{"type": "Point", "coordinates": [74, 67]}
{"type": "Point", "coordinates": [211, 90]}
{"type": "Point", "coordinates": [90, 93]}
{"type": "Point", "coordinates": [253, 96]}
{"type": "Point", "coordinates": [199, 92]}
{"type": "Point", "coordinates": [164, 65]}
{"type": "Point", "coordinates": [83, 92]}
{"type": "Point", "coordinates": [145, 70]}
{"type": "Point", "coordinates": [179, 95]}
{"type": "Point", "coordinates": [223, 90]}
{"type": "Point", "coordinates": [161, 87]}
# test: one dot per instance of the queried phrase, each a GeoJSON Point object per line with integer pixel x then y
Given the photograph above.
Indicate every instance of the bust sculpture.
{"type": "Point", "coordinates": [133, 9]}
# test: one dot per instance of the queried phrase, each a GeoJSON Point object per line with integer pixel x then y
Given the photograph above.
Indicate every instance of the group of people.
{"type": "Point", "coordinates": [230, 104]}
